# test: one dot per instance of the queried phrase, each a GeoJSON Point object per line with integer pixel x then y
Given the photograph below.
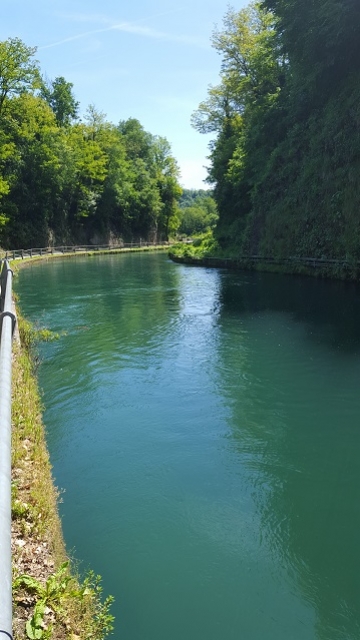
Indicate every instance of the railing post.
{"type": "Point", "coordinates": [7, 319]}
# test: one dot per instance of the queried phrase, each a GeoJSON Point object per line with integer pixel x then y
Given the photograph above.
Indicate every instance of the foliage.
{"type": "Point", "coordinates": [18, 71]}
{"type": "Point", "coordinates": [204, 245]}
{"type": "Point", "coordinates": [51, 598]}
{"type": "Point", "coordinates": [198, 217]}
{"type": "Point", "coordinates": [59, 96]}
{"type": "Point", "coordinates": [67, 181]}
{"type": "Point", "coordinates": [285, 115]}
{"type": "Point", "coordinates": [189, 195]}
{"type": "Point", "coordinates": [49, 594]}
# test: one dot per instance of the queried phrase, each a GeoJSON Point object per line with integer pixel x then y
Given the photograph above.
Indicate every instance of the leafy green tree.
{"type": "Point", "coordinates": [285, 115]}
{"type": "Point", "coordinates": [90, 170]}
{"type": "Point", "coordinates": [138, 142]}
{"type": "Point", "coordinates": [19, 72]}
{"type": "Point", "coordinates": [95, 121]}
{"type": "Point", "coordinates": [59, 95]}
{"type": "Point", "coordinates": [189, 195]}
{"type": "Point", "coordinates": [199, 217]}
{"type": "Point", "coordinates": [251, 75]}
{"type": "Point", "coordinates": [167, 174]}
{"type": "Point", "coordinates": [33, 171]}
{"type": "Point", "coordinates": [62, 180]}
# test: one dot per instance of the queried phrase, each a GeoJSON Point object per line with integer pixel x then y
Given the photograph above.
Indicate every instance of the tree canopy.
{"type": "Point", "coordinates": [285, 152]}
{"type": "Point", "coordinates": [65, 179]}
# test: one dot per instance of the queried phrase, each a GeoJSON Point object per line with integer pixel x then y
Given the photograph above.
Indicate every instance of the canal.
{"type": "Point", "coordinates": [204, 427]}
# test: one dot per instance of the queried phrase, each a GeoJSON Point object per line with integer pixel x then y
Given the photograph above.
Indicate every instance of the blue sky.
{"type": "Point", "coordinates": [148, 59]}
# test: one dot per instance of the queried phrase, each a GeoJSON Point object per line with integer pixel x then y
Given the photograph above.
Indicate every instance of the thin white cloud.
{"type": "Point", "coordinates": [125, 27]}
{"type": "Point", "coordinates": [148, 32]}
{"type": "Point", "coordinates": [78, 36]}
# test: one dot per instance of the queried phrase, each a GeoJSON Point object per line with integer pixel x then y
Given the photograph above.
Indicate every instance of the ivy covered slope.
{"type": "Point", "coordinates": [66, 180]}
{"type": "Point", "coordinates": [285, 159]}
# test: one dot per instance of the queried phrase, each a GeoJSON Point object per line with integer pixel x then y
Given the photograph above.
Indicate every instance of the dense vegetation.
{"type": "Point", "coordinates": [285, 158]}
{"type": "Point", "coordinates": [64, 180]}
{"type": "Point", "coordinates": [197, 212]}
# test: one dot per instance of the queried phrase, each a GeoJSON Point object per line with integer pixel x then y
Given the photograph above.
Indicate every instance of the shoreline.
{"type": "Point", "coordinates": [39, 557]}
{"type": "Point", "coordinates": [49, 598]}
{"type": "Point", "coordinates": [312, 267]}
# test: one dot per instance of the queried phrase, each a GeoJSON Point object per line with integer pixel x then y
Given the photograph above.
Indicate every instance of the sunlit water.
{"type": "Point", "coordinates": [205, 428]}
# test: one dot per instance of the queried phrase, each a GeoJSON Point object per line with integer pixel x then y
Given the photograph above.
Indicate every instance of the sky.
{"type": "Point", "coordinates": [145, 59]}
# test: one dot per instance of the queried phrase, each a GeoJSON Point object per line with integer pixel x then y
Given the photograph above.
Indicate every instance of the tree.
{"type": "Point", "coordinates": [198, 217]}
{"type": "Point", "coordinates": [59, 96]}
{"type": "Point", "coordinates": [62, 180]}
{"type": "Point", "coordinates": [90, 170]}
{"type": "Point", "coordinates": [138, 142]}
{"type": "Point", "coordinates": [18, 71]}
{"type": "Point", "coordinates": [34, 173]}
{"type": "Point", "coordinates": [95, 121]}
{"type": "Point", "coordinates": [238, 110]}
{"type": "Point", "coordinates": [167, 172]}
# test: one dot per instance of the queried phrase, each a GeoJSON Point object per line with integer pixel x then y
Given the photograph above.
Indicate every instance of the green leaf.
{"type": "Point", "coordinates": [33, 627]}
{"type": "Point", "coordinates": [29, 582]}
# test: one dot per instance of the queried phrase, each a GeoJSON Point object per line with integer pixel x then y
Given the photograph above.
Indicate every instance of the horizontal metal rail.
{"type": "Point", "coordinates": [255, 259]}
{"type": "Point", "coordinates": [7, 322]}
{"type": "Point", "coordinates": [308, 261]}
{"type": "Point", "coordinates": [14, 254]}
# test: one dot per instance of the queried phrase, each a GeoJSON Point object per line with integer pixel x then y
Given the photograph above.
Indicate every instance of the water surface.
{"type": "Point", "coordinates": [205, 428]}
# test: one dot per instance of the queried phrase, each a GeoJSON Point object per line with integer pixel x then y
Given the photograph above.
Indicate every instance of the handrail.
{"type": "Point", "coordinates": [7, 320]}
{"type": "Point", "coordinates": [308, 261]}
{"type": "Point", "coordinates": [256, 259]}
{"type": "Point", "coordinates": [13, 254]}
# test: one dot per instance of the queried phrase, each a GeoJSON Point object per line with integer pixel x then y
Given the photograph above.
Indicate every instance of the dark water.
{"type": "Point", "coordinates": [205, 427]}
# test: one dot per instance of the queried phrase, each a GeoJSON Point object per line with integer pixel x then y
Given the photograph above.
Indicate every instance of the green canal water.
{"type": "Point", "coordinates": [205, 428]}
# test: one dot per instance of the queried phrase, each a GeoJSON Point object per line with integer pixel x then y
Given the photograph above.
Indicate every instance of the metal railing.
{"type": "Point", "coordinates": [255, 259]}
{"type": "Point", "coordinates": [13, 254]}
{"type": "Point", "coordinates": [7, 323]}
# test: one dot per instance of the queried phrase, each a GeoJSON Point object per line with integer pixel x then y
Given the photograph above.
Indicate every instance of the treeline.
{"type": "Point", "coordinates": [197, 212]}
{"type": "Point", "coordinates": [65, 180]}
{"type": "Point", "coordinates": [285, 159]}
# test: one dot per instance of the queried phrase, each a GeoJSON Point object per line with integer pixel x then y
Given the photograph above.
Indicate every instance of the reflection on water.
{"type": "Point", "coordinates": [297, 415]}
{"type": "Point", "coordinates": [205, 427]}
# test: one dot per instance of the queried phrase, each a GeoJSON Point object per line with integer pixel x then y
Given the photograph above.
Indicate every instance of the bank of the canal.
{"type": "Point", "coordinates": [73, 608]}
{"type": "Point", "coordinates": [49, 599]}
{"type": "Point", "coordinates": [204, 426]}
{"type": "Point", "coordinates": [315, 267]}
